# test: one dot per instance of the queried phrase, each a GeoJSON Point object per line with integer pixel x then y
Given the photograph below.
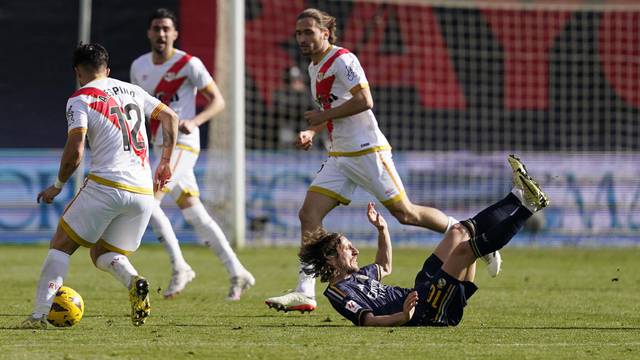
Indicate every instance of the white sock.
{"type": "Point", "coordinates": [452, 221]}
{"type": "Point", "coordinates": [117, 265]}
{"type": "Point", "coordinates": [164, 232]}
{"type": "Point", "coordinates": [519, 193]}
{"type": "Point", "coordinates": [52, 274]}
{"type": "Point", "coordinates": [306, 283]}
{"type": "Point", "coordinates": [211, 235]}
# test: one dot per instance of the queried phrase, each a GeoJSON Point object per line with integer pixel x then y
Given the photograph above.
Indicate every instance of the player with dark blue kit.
{"type": "Point", "coordinates": [445, 282]}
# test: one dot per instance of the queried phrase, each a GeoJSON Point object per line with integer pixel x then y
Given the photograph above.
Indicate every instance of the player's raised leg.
{"type": "Point", "coordinates": [52, 274]}
{"type": "Point", "coordinates": [315, 207]}
{"type": "Point", "coordinates": [489, 231]}
{"type": "Point", "coordinates": [431, 218]}
{"type": "Point", "coordinates": [408, 213]}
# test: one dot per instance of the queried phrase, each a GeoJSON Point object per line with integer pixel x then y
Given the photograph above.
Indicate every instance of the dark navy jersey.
{"type": "Point", "coordinates": [362, 292]}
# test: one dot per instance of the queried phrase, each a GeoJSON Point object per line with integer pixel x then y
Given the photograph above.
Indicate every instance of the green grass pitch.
{"type": "Point", "coordinates": [548, 303]}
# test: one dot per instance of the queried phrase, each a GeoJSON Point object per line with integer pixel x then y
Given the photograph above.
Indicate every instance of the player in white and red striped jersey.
{"type": "Point", "coordinates": [359, 154]}
{"type": "Point", "coordinates": [175, 77]}
{"type": "Point", "coordinates": [111, 211]}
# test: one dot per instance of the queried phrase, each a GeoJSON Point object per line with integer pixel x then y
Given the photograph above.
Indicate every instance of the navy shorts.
{"type": "Point", "coordinates": [424, 314]}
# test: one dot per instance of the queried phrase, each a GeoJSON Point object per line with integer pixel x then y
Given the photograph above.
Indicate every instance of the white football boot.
{"type": "Point", "coordinates": [179, 280]}
{"type": "Point", "coordinates": [240, 284]}
{"type": "Point", "coordinates": [494, 263]}
{"type": "Point", "coordinates": [293, 301]}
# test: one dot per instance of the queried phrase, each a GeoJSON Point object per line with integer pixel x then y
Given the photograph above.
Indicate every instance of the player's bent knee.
{"type": "Point", "coordinates": [463, 250]}
{"type": "Point", "coordinates": [93, 253]}
{"type": "Point", "coordinates": [404, 216]}
{"type": "Point", "coordinates": [459, 232]}
{"type": "Point", "coordinates": [196, 219]}
{"type": "Point", "coordinates": [62, 242]}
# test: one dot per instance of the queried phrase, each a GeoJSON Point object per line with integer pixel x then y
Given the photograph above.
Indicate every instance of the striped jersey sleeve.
{"type": "Point", "coordinates": [347, 306]}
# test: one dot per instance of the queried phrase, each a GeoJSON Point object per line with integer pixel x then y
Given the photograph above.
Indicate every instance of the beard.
{"type": "Point", "coordinates": [352, 268]}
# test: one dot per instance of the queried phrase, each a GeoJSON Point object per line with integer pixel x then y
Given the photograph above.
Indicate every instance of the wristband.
{"type": "Point", "coordinates": [58, 184]}
{"type": "Point", "coordinates": [165, 159]}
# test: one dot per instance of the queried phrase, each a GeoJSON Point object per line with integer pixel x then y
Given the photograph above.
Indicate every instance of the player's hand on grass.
{"type": "Point", "coordinates": [186, 126]}
{"type": "Point", "coordinates": [410, 305]}
{"type": "Point", "coordinates": [162, 175]}
{"type": "Point", "coordinates": [47, 195]}
{"type": "Point", "coordinates": [375, 218]}
{"type": "Point", "coordinates": [314, 117]}
{"type": "Point", "coordinates": [305, 139]}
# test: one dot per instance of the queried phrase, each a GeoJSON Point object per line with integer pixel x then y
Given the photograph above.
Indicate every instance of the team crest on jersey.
{"type": "Point", "coordinates": [353, 306]}
{"type": "Point", "coordinates": [442, 283]}
{"type": "Point", "coordinates": [351, 74]}
{"type": "Point", "coordinates": [320, 76]}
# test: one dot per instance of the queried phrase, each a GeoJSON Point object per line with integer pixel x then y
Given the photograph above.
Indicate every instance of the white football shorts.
{"type": "Point", "coordinates": [375, 172]}
{"type": "Point", "coordinates": [116, 218]}
{"type": "Point", "coordinates": [183, 179]}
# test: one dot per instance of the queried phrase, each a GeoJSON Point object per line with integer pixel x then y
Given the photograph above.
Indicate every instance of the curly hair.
{"type": "Point", "coordinates": [316, 247]}
{"type": "Point", "coordinates": [324, 20]}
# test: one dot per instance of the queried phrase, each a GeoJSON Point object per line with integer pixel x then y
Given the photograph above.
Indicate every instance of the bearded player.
{"type": "Point", "coordinates": [359, 154]}
{"type": "Point", "coordinates": [444, 284]}
{"type": "Point", "coordinates": [175, 77]}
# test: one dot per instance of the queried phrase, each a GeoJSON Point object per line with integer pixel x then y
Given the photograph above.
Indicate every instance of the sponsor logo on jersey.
{"type": "Point", "coordinates": [353, 306]}
{"type": "Point", "coordinates": [170, 76]}
{"type": "Point", "coordinates": [326, 100]}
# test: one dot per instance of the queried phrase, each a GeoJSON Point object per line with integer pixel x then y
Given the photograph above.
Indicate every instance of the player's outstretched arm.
{"type": "Point", "coordinates": [397, 319]}
{"type": "Point", "coordinates": [384, 254]}
{"type": "Point", "coordinates": [71, 158]}
{"type": "Point", "coordinates": [361, 101]}
{"type": "Point", "coordinates": [215, 104]}
{"type": "Point", "coordinates": [169, 122]}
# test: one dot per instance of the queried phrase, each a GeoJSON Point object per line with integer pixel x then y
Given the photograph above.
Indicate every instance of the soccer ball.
{"type": "Point", "coordinates": [67, 308]}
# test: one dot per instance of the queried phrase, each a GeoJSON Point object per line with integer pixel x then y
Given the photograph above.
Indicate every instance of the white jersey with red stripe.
{"type": "Point", "coordinates": [334, 80]}
{"type": "Point", "coordinates": [113, 113]}
{"type": "Point", "coordinates": [175, 82]}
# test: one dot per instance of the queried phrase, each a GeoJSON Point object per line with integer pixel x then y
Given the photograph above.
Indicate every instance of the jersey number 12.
{"type": "Point", "coordinates": [129, 136]}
